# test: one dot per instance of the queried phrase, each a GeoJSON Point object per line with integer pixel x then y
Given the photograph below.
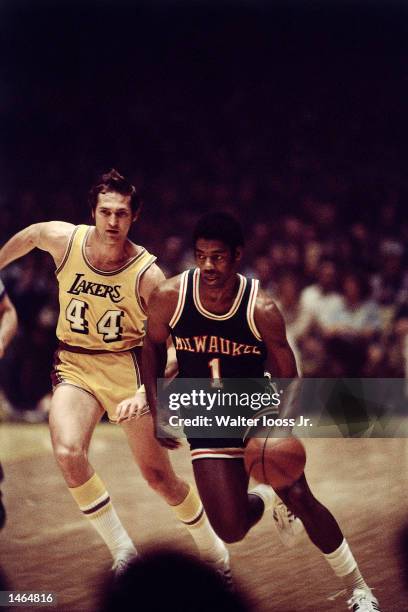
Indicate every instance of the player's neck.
{"type": "Point", "coordinates": [218, 296]}
{"type": "Point", "coordinates": [107, 256]}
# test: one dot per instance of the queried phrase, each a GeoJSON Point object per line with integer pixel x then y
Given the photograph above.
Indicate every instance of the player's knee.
{"type": "Point", "coordinates": [231, 531]}
{"type": "Point", "coordinates": [69, 456]}
{"type": "Point", "coordinates": [298, 498]}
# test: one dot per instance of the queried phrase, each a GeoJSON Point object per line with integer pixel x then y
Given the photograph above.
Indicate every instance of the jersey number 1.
{"type": "Point", "coordinates": [214, 366]}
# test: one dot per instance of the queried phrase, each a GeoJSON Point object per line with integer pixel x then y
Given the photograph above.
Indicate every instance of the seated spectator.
{"type": "Point", "coordinates": [297, 320]}
{"type": "Point", "coordinates": [398, 343]}
{"type": "Point", "coordinates": [350, 325]}
{"type": "Point", "coordinates": [319, 299]}
{"type": "Point", "coordinates": [390, 282]}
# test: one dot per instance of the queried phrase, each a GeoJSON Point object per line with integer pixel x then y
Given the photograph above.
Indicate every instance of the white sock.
{"type": "Point", "coordinates": [345, 566]}
{"type": "Point", "coordinates": [192, 514]}
{"type": "Point", "coordinates": [94, 501]}
{"type": "Point", "coordinates": [266, 493]}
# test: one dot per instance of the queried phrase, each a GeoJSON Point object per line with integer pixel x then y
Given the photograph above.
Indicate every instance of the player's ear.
{"type": "Point", "coordinates": [93, 213]}
{"type": "Point", "coordinates": [238, 254]}
{"type": "Point", "coordinates": [137, 213]}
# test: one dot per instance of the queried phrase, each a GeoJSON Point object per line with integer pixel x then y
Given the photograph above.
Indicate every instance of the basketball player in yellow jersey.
{"type": "Point", "coordinates": [105, 281]}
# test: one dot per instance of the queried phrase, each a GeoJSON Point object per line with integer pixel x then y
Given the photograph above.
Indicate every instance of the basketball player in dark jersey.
{"type": "Point", "coordinates": [223, 325]}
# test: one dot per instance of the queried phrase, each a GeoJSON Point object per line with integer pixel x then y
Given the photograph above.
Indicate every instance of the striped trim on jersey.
{"type": "Point", "coordinates": [181, 300]}
{"type": "Point", "coordinates": [251, 309]}
{"type": "Point", "coordinates": [135, 356]}
{"type": "Point", "coordinates": [211, 315]}
{"type": "Point", "coordinates": [217, 453]}
{"type": "Point", "coordinates": [67, 251]}
{"type": "Point", "coordinates": [138, 279]}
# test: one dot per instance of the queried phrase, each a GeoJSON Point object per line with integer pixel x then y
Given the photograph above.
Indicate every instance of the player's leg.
{"type": "Point", "coordinates": [73, 416]}
{"type": "Point", "coordinates": [223, 488]}
{"type": "Point", "coordinates": [155, 466]}
{"type": "Point", "coordinates": [324, 531]}
{"type": "Point", "coordinates": [320, 524]}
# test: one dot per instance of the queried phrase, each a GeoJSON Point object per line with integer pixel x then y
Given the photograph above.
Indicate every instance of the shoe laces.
{"type": "Point", "coordinates": [122, 563]}
{"type": "Point", "coordinates": [364, 601]}
{"type": "Point", "coordinates": [282, 514]}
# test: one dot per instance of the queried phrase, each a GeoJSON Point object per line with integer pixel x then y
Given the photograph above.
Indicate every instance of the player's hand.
{"type": "Point", "coordinates": [169, 443]}
{"type": "Point", "coordinates": [131, 408]}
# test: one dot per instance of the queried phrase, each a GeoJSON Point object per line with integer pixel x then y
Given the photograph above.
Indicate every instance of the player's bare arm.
{"type": "Point", "coordinates": [133, 407]}
{"type": "Point", "coordinates": [161, 307]}
{"type": "Point", "coordinates": [8, 323]}
{"type": "Point", "coordinates": [50, 236]}
{"type": "Point", "coordinates": [280, 360]}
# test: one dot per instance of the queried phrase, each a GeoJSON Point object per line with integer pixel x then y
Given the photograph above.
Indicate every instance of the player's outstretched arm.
{"type": "Point", "coordinates": [51, 236]}
{"type": "Point", "coordinates": [8, 323]}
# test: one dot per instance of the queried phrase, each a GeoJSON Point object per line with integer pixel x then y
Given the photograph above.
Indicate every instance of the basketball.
{"type": "Point", "coordinates": [278, 462]}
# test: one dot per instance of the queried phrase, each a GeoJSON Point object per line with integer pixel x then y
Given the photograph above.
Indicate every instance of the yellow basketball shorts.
{"type": "Point", "coordinates": [108, 377]}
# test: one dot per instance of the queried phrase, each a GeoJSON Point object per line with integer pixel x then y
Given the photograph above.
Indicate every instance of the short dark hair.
{"type": "Point", "coordinates": [113, 181]}
{"type": "Point", "coordinates": [219, 226]}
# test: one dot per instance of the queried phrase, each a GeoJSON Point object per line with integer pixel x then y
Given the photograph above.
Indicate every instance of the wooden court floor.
{"type": "Point", "coordinates": [48, 546]}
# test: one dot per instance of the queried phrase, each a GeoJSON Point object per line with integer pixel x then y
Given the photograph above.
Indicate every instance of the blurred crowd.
{"type": "Point", "coordinates": [322, 211]}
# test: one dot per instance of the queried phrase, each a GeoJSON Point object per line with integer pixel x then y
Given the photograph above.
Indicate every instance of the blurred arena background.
{"type": "Point", "coordinates": [291, 115]}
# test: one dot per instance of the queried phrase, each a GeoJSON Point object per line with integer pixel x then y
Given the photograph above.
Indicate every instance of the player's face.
{"type": "Point", "coordinates": [216, 262]}
{"type": "Point", "coordinates": [113, 217]}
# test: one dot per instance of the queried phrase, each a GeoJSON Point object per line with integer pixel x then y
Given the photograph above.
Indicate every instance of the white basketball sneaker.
{"type": "Point", "coordinates": [288, 526]}
{"type": "Point", "coordinates": [223, 569]}
{"type": "Point", "coordinates": [122, 562]}
{"type": "Point", "coordinates": [363, 601]}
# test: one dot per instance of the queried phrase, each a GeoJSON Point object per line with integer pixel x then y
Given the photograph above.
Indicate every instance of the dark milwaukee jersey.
{"type": "Point", "coordinates": [217, 345]}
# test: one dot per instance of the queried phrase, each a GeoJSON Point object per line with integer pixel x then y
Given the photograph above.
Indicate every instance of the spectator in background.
{"type": "Point", "coordinates": [390, 283]}
{"type": "Point", "coordinates": [297, 320]}
{"type": "Point", "coordinates": [350, 324]}
{"type": "Point", "coordinates": [262, 269]}
{"type": "Point", "coordinates": [320, 298]}
{"type": "Point", "coordinates": [398, 341]}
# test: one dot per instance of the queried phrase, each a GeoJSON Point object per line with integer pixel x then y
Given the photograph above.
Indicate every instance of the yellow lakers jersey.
{"type": "Point", "coordinates": [99, 311]}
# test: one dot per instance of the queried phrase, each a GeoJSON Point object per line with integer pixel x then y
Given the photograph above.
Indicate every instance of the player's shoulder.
{"type": "Point", "coordinates": [169, 287]}
{"type": "Point", "coordinates": [54, 237]}
{"type": "Point", "coordinates": [57, 229]}
{"type": "Point", "coordinates": [265, 302]}
{"type": "Point", "coordinates": [163, 299]}
{"type": "Point", "coordinates": [266, 310]}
